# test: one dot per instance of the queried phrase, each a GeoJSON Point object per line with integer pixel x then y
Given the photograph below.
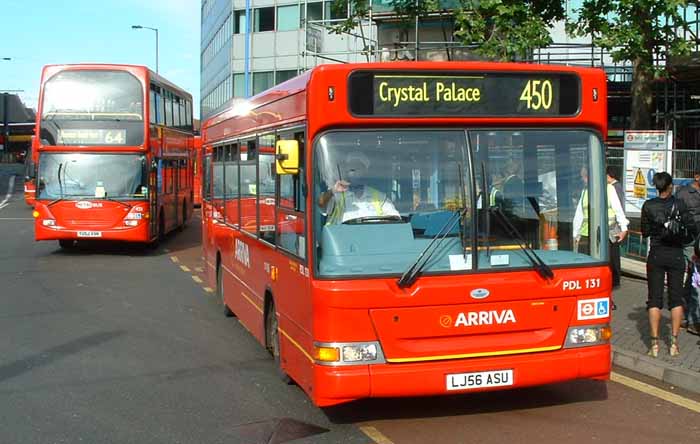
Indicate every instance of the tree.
{"type": "Point", "coordinates": [506, 30]}
{"type": "Point", "coordinates": [635, 31]}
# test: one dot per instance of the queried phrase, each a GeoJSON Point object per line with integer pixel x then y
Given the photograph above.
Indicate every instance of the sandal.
{"type": "Point", "coordinates": [674, 350]}
{"type": "Point", "coordinates": [654, 349]}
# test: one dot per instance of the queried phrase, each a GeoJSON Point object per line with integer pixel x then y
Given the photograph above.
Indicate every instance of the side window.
{"type": "Point", "coordinates": [168, 108]}
{"type": "Point", "coordinates": [291, 185]}
{"type": "Point", "coordinates": [291, 223]}
{"type": "Point", "coordinates": [176, 111]}
{"type": "Point", "coordinates": [218, 184]}
{"type": "Point", "coordinates": [231, 184]}
{"type": "Point", "coordinates": [248, 190]}
{"type": "Point", "coordinates": [160, 117]}
{"type": "Point", "coordinates": [206, 182]}
{"type": "Point", "coordinates": [152, 106]}
{"type": "Point", "coordinates": [266, 187]}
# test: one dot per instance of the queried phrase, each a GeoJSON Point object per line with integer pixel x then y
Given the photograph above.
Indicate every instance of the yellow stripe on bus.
{"type": "Point", "coordinates": [289, 338]}
{"type": "Point", "coordinates": [474, 355]}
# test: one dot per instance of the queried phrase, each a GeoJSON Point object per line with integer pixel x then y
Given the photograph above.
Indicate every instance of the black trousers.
{"type": "Point", "coordinates": [665, 263]}
{"type": "Point", "coordinates": [615, 267]}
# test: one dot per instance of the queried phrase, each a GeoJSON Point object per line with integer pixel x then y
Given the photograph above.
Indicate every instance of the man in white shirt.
{"type": "Point", "coordinates": [616, 215]}
{"type": "Point", "coordinates": [353, 198]}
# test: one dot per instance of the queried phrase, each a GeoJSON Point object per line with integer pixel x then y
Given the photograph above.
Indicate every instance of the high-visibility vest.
{"type": "Point", "coordinates": [336, 215]}
{"type": "Point", "coordinates": [493, 195]}
{"type": "Point", "coordinates": [584, 206]}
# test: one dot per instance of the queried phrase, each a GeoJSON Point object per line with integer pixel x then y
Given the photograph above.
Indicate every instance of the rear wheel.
{"type": "Point", "coordinates": [272, 339]}
{"type": "Point", "coordinates": [220, 292]}
{"type": "Point", "coordinates": [66, 244]}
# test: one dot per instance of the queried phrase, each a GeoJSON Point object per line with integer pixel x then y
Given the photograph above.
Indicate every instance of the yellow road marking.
{"type": "Point", "coordinates": [197, 279]}
{"type": "Point", "coordinates": [208, 290]}
{"type": "Point", "coordinates": [199, 269]}
{"type": "Point", "coordinates": [174, 259]}
{"type": "Point", "coordinates": [375, 435]}
{"type": "Point", "coordinates": [185, 268]}
{"type": "Point", "coordinates": [655, 391]}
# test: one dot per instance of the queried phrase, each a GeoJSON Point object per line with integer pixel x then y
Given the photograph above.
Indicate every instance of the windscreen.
{"type": "Point", "coordinates": [82, 107]}
{"type": "Point", "coordinates": [82, 175]}
{"type": "Point", "coordinates": [382, 196]}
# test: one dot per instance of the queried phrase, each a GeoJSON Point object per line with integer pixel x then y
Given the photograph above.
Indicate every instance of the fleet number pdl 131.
{"type": "Point", "coordinates": [580, 285]}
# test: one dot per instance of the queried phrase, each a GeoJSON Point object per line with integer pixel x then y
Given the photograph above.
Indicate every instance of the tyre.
{"type": "Point", "coordinates": [66, 244]}
{"type": "Point", "coordinates": [272, 339]}
{"type": "Point", "coordinates": [220, 292]}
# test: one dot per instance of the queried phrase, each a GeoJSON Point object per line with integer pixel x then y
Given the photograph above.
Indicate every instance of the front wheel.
{"type": "Point", "coordinates": [273, 341]}
{"type": "Point", "coordinates": [220, 292]}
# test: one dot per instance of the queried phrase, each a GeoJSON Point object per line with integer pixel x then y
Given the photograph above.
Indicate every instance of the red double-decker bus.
{"type": "Point", "coordinates": [115, 154]}
{"type": "Point", "coordinates": [410, 229]}
{"type": "Point", "coordinates": [197, 170]}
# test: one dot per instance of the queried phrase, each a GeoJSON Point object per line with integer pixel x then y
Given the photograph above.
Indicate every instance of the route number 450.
{"type": "Point", "coordinates": [537, 94]}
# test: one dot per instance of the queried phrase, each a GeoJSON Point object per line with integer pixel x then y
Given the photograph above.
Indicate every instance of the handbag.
{"type": "Point", "coordinates": [614, 232]}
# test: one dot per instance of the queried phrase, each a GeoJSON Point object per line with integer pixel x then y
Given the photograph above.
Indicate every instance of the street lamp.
{"type": "Point", "coordinates": [152, 29]}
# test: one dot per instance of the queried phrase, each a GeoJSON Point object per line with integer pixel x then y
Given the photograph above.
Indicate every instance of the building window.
{"type": "Point", "coordinates": [262, 81]}
{"type": "Point", "coordinates": [239, 27]}
{"type": "Point", "coordinates": [264, 19]}
{"type": "Point", "coordinates": [314, 11]}
{"type": "Point", "coordinates": [285, 75]}
{"type": "Point", "coordinates": [334, 12]}
{"type": "Point", "coordinates": [239, 85]}
{"type": "Point", "coordinates": [288, 17]}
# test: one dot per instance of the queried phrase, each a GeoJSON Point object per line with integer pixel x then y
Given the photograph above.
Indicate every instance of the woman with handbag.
{"type": "Point", "coordinates": [669, 224]}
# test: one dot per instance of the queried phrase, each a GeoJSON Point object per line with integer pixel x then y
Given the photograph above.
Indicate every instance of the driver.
{"type": "Point", "coordinates": [353, 198]}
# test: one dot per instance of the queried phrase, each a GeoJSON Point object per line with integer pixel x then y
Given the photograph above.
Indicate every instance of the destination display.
{"type": "Point", "coordinates": [91, 137]}
{"type": "Point", "coordinates": [483, 94]}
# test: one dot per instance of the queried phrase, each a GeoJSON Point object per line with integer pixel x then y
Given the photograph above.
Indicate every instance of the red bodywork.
{"type": "Point", "coordinates": [159, 213]}
{"type": "Point", "coordinates": [29, 192]}
{"type": "Point", "coordinates": [197, 171]}
{"type": "Point", "coordinates": [413, 325]}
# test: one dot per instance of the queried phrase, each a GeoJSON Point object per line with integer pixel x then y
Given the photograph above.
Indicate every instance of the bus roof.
{"type": "Point", "coordinates": [50, 70]}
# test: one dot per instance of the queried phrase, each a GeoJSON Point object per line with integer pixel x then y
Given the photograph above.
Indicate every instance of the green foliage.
{"type": "Point", "coordinates": [506, 29]}
{"type": "Point", "coordinates": [633, 30]}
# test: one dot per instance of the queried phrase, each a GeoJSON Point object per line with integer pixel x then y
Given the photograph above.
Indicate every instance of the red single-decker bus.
{"type": "Point", "coordinates": [414, 229]}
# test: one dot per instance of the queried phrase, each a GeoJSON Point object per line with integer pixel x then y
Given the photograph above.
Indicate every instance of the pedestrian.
{"type": "Point", "coordinates": [668, 224]}
{"type": "Point", "coordinates": [617, 222]}
{"type": "Point", "coordinates": [617, 234]}
{"type": "Point", "coordinates": [690, 195]}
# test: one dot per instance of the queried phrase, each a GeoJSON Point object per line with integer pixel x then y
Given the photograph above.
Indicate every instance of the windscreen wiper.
{"type": "Point", "coordinates": [111, 199]}
{"type": "Point", "coordinates": [410, 275]}
{"type": "Point", "coordinates": [540, 266]}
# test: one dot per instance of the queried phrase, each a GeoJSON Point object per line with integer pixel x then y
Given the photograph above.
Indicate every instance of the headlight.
{"type": "Point", "coordinates": [48, 222]}
{"type": "Point", "coordinates": [587, 335]}
{"type": "Point", "coordinates": [348, 353]}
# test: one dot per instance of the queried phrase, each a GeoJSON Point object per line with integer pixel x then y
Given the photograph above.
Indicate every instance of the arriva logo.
{"type": "Point", "coordinates": [242, 253]}
{"type": "Point", "coordinates": [479, 318]}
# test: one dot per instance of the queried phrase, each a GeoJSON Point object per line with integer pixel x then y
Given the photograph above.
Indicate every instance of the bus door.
{"type": "Point", "coordinates": [155, 181]}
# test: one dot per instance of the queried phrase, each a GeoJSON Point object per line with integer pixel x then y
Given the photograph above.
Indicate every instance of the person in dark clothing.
{"type": "Point", "coordinates": [690, 195]}
{"type": "Point", "coordinates": [618, 236]}
{"type": "Point", "coordinates": [666, 260]}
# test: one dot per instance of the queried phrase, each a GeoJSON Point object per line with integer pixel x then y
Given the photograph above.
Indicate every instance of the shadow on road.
{"type": "Point", "coordinates": [53, 354]}
{"type": "Point", "coordinates": [469, 404]}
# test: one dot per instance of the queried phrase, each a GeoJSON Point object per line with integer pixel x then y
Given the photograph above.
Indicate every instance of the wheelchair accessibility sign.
{"type": "Point", "coordinates": [593, 309]}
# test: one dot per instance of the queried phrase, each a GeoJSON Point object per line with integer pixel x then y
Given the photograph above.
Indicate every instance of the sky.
{"type": "Point", "coordinates": [42, 32]}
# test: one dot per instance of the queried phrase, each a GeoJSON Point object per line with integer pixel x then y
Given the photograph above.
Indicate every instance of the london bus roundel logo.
{"type": "Point", "coordinates": [83, 205]}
